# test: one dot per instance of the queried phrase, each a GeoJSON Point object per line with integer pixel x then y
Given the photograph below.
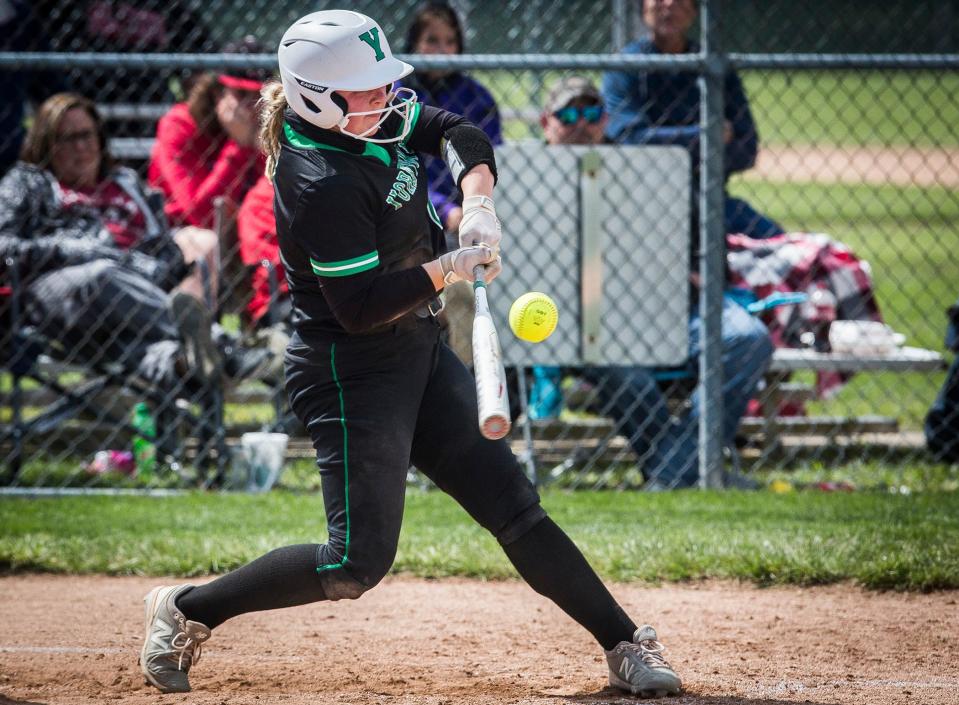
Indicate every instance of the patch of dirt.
{"type": "Point", "coordinates": [75, 640]}
{"type": "Point", "coordinates": [901, 166]}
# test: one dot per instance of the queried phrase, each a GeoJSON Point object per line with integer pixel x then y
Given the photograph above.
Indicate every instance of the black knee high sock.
{"type": "Point", "coordinates": [284, 577]}
{"type": "Point", "coordinates": [552, 565]}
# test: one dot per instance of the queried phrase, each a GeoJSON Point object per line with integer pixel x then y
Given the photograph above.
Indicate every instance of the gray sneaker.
{"type": "Point", "coordinates": [639, 668]}
{"type": "Point", "coordinates": [172, 642]}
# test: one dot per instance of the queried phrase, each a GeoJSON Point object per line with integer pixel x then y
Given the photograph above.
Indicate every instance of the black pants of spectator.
{"type": "Point", "coordinates": [942, 421]}
{"type": "Point", "coordinates": [100, 313]}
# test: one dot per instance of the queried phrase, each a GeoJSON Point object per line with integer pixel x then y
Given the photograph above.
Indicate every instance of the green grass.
{"type": "Point", "coordinates": [855, 108]}
{"type": "Point", "coordinates": [877, 540]}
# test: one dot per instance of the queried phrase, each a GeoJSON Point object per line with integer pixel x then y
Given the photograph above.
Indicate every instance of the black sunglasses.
{"type": "Point", "coordinates": [570, 115]}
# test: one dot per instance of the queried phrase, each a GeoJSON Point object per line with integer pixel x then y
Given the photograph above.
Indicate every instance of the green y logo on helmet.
{"type": "Point", "coordinates": [372, 37]}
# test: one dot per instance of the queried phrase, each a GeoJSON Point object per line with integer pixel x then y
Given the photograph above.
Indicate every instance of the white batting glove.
{"type": "Point", "coordinates": [458, 265]}
{"type": "Point", "coordinates": [479, 223]}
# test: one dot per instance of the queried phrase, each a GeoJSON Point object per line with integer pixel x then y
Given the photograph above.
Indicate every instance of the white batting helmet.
{"type": "Point", "coordinates": [333, 50]}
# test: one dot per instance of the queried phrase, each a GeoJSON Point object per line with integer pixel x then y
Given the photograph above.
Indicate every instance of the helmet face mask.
{"type": "Point", "coordinates": [400, 101]}
{"type": "Point", "coordinates": [339, 50]}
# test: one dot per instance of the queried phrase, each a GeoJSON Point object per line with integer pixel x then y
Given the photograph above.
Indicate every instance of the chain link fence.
{"type": "Point", "coordinates": [836, 199]}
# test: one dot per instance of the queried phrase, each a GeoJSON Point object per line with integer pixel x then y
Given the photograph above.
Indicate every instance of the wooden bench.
{"type": "Point", "coordinates": [593, 440]}
{"type": "Point", "coordinates": [779, 390]}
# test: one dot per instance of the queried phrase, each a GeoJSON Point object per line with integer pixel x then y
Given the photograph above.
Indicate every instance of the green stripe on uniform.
{"type": "Point", "coordinates": [417, 107]}
{"type": "Point", "coordinates": [346, 466]}
{"type": "Point", "coordinates": [346, 267]}
{"type": "Point", "coordinates": [434, 216]}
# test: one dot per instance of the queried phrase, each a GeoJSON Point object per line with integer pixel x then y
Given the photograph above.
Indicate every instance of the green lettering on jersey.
{"type": "Point", "coordinates": [407, 165]}
{"type": "Point", "coordinates": [372, 37]}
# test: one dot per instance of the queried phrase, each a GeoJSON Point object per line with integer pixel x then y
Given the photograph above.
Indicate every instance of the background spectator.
{"type": "Point", "coordinates": [67, 203]}
{"type": "Point", "coordinates": [94, 254]}
{"type": "Point", "coordinates": [256, 232]}
{"type": "Point", "coordinates": [650, 107]}
{"type": "Point", "coordinates": [436, 29]}
{"type": "Point", "coordinates": [630, 396]}
{"type": "Point", "coordinates": [942, 421]}
{"type": "Point", "coordinates": [207, 147]}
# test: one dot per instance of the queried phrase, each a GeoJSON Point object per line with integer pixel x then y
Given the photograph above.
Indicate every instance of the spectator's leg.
{"type": "Point", "coordinates": [632, 400]}
{"type": "Point", "coordinates": [740, 217]}
{"type": "Point", "coordinates": [100, 312]}
{"type": "Point", "coordinates": [746, 352]}
{"type": "Point", "coordinates": [546, 396]}
{"type": "Point", "coordinates": [942, 421]}
{"type": "Point", "coordinates": [199, 244]}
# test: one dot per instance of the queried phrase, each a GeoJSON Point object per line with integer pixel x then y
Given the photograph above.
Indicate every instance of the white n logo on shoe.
{"type": "Point", "coordinates": [627, 669]}
{"type": "Point", "coordinates": [161, 636]}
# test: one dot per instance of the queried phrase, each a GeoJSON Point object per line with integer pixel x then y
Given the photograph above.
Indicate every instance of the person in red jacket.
{"type": "Point", "coordinates": [207, 148]}
{"type": "Point", "coordinates": [256, 232]}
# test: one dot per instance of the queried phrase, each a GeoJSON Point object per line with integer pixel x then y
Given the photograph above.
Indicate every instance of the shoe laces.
{"type": "Point", "coordinates": [650, 651]}
{"type": "Point", "coordinates": [187, 647]}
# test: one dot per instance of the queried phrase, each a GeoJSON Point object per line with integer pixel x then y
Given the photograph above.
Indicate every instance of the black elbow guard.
{"type": "Point", "coordinates": [464, 147]}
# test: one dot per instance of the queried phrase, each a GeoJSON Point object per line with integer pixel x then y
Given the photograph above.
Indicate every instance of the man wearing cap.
{"type": "Point", "coordinates": [630, 396]}
{"type": "Point", "coordinates": [574, 113]}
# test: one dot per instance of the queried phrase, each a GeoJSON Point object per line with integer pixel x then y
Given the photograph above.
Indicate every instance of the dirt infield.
{"type": "Point", "coordinates": [450, 642]}
{"type": "Point", "coordinates": [900, 166]}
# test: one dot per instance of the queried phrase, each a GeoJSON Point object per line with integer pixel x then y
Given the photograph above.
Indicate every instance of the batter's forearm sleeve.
{"type": "Point", "coordinates": [366, 301]}
{"type": "Point", "coordinates": [465, 147]}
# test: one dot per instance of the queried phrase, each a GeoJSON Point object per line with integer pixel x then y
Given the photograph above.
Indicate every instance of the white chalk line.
{"type": "Point", "coordinates": [108, 650]}
{"type": "Point", "coordinates": [62, 650]}
{"type": "Point", "coordinates": [799, 687]}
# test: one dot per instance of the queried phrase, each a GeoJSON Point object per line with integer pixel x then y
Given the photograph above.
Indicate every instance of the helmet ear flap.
{"type": "Point", "coordinates": [339, 101]}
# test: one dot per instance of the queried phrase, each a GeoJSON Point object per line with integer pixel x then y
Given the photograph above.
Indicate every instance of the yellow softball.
{"type": "Point", "coordinates": [533, 317]}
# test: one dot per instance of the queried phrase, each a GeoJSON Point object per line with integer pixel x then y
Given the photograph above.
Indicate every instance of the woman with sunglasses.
{"type": "Point", "coordinates": [367, 373]}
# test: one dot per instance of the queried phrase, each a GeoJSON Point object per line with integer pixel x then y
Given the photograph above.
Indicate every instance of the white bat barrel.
{"type": "Point", "coordinates": [491, 395]}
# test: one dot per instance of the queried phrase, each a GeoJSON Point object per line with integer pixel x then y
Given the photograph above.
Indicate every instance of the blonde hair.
{"type": "Point", "coordinates": [272, 104]}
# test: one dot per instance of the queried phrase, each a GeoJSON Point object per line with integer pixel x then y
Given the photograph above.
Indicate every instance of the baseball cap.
{"type": "Point", "coordinates": [564, 91]}
{"type": "Point", "coordinates": [244, 79]}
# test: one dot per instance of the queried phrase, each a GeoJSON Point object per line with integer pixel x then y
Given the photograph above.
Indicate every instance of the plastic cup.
{"type": "Point", "coordinates": [264, 454]}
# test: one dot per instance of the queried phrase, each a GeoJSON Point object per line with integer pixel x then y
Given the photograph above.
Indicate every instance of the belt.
{"type": "Point", "coordinates": [430, 308]}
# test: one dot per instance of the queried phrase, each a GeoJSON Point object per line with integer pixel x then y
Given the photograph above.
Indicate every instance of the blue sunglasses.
{"type": "Point", "coordinates": [570, 115]}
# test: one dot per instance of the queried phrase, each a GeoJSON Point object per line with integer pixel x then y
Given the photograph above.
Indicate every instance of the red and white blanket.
{"type": "Point", "coordinates": [838, 283]}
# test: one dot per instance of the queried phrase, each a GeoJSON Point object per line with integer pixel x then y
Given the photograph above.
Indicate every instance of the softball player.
{"type": "Point", "coordinates": [366, 371]}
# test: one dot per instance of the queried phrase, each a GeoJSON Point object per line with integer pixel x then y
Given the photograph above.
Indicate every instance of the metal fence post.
{"type": "Point", "coordinates": [620, 24]}
{"type": "Point", "coordinates": [711, 238]}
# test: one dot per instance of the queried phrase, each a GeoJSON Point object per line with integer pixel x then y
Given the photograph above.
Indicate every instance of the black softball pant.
{"type": "Point", "coordinates": [373, 405]}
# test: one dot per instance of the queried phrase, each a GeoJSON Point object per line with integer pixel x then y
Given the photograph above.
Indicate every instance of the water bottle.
{"type": "Point", "coordinates": [144, 448]}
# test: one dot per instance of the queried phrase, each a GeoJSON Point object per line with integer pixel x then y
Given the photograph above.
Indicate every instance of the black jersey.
{"type": "Point", "coordinates": [354, 222]}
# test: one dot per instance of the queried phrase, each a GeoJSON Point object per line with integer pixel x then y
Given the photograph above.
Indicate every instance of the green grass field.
{"type": "Point", "coordinates": [880, 541]}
